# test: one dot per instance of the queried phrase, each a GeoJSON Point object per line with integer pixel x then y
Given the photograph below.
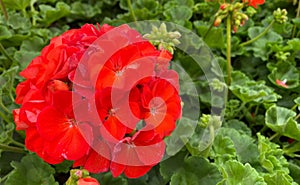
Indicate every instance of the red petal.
{"type": "Point", "coordinates": [87, 181]}
{"type": "Point", "coordinates": [136, 171]}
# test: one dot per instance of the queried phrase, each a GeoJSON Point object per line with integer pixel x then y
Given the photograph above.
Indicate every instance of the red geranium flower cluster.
{"type": "Point", "coordinates": [102, 97]}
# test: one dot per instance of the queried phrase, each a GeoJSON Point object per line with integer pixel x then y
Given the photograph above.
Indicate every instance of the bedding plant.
{"type": "Point", "coordinates": [154, 92]}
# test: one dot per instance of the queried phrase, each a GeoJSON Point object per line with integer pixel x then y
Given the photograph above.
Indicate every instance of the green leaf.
{"type": "Point", "coordinates": [171, 165]}
{"type": "Point", "coordinates": [178, 14]}
{"type": "Point", "coordinates": [294, 167]}
{"type": "Point", "coordinates": [31, 171]}
{"type": "Point", "coordinates": [281, 120]}
{"type": "Point", "coordinates": [223, 149]}
{"type": "Point", "coordinates": [251, 91]}
{"type": "Point", "coordinates": [17, 4]}
{"type": "Point", "coordinates": [235, 173]}
{"type": "Point", "coordinates": [239, 126]}
{"type": "Point", "coordinates": [51, 14]}
{"type": "Point", "coordinates": [202, 139]}
{"type": "Point", "coordinates": [284, 71]}
{"type": "Point", "coordinates": [107, 178]}
{"type": "Point", "coordinates": [63, 167]}
{"type": "Point", "coordinates": [271, 156]}
{"type": "Point", "coordinates": [17, 21]}
{"type": "Point", "coordinates": [196, 171]}
{"type": "Point", "coordinates": [279, 178]}
{"type": "Point", "coordinates": [81, 10]}
{"type": "Point", "coordinates": [260, 47]}
{"type": "Point", "coordinates": [215, 36]}
{"type": "Point", "coordinates": [180, 136]}
{"type": "Point", "coordinates": [4, 32]}
{"type": "Point", "coordinates": [244, 145]}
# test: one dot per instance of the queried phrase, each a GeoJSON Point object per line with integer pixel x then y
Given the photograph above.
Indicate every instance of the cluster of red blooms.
{"type": "Point", "coordinates": [102, 97]}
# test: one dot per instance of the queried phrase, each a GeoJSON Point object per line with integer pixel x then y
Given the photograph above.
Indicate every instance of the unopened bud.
{"type": "Point", "coordinates": [218, 21]}
{"type": "Point", "coordinates": [223, 6]}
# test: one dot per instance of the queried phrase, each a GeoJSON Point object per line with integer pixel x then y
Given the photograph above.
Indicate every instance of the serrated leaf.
{"type": "Point", "coordinates": [196, 171]}
{"type": "Point", "coordinates": [271, 156]}
{"type": "Point", "coordinates": [244, 145]}
{"type": "Point", "coordinates": [17, 21]}
{"type": "Point", "coordinates": [223, 149]}
{"type": "Point", "coordinates": [239, 126]}
{"type": "Point", "coordinates": [259, 47]}
{"type": "Point", "coordinates": [279, 178]}
{"type": "Point", "coordinates": [178, 14]}
{"type": "Point", "coordinates": [17, 4]}
{"type": "Point", "coordinates": [251, 91]}
{"type": "Point", "coordinates": [81, 10]}
{"type": "Point", "coordinates": [281, 120]}
{"type": "Point", "coordinates": [51, 14]}
{"type": "Point", "coordinates": [31, 171]}
{"type": "Point", "coordinates": [4, 32]}
{"type": "Point", "coordinates": [235, 173]}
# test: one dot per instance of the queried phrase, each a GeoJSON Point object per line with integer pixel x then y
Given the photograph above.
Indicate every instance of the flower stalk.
{"type": "Point", "coordinates": [11, 148]}
{"type": "Point", "coordinates": [131, 10]}
{"type": "Point", "coordinates": [228, 38]}
{"type": "Point", "coordinates": [259, 36]}
{"type": "Point", "coordinates": [4, 10]}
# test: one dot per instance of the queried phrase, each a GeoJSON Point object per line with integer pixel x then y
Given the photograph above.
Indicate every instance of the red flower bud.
{"type": "Point", "coordinates": [88, 181]}
{"type": "Point", "coordinates": [218, 21]}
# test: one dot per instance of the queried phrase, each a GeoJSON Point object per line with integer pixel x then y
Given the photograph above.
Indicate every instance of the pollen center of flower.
{"type": "Point", "coordinates": [112, 112]}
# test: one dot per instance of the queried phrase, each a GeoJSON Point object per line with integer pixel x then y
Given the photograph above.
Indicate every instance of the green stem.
{"type": "Point", "coordinates": [17, 143]}
{"type": "Point", "coordinates": [12, 148]}
{"type": "Point", "coordinates": [3, 51]}
{"type": "Point", "coordinates": [131, 10]}
{"type": "Point", "coordinates": [3, 116]}
{"type": "Point", "coordinates": [259, 36]}
{"type": "Point", "coordinates": [208, 30]}
{"type": "Point", "coordinates": [294, 107]}
{"type": "Point", "coordinates": [297, 15]}
{"type": "Point", "coordinates": [297, 117]}
{"type": "Point", "coordinates": [4, 10]}
{"type": "Point", "coordinates": [4, 178]}
{"type": "Point", "coordinates": [274, 136]}
{"type": "Point", "coordinates": [228, 37]}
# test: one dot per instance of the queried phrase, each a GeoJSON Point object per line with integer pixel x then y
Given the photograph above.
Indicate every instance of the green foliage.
{"type": "Point", "coordinates": [235, 172]}
{"type": "Point", "coordinates": [215, 149]}
{"type": "Point", "coordinates": [31, 171]}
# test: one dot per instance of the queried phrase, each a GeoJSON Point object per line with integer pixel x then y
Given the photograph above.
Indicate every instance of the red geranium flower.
{"type": "Point", "coordinates": [56, 124]}
{"type": "Point", "coordinates": [101, 97]}
{"type": "Point", "coordinates": [160, 104]}
{"type": "Point", "coordinates": [134, 155]}
{"type": "Point", "coordinates": [254, 3]}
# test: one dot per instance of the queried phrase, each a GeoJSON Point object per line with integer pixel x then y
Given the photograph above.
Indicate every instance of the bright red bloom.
{"type": "Point", "coordinates": [134, 156]}
{"type": "Point", "coordinates": [101, 97]}
{"type": "Point", "coordinates": [160, 104]}
{"type": "Point", "coordinates": [254, 3]}
{"type": "Point", "coordinates": [87, 181]}
{"type": "Point", "coordinates": [56, 124]}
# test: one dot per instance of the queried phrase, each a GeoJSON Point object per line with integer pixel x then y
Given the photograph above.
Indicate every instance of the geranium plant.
{"type": "Point", "coordinates": [92, 92]}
